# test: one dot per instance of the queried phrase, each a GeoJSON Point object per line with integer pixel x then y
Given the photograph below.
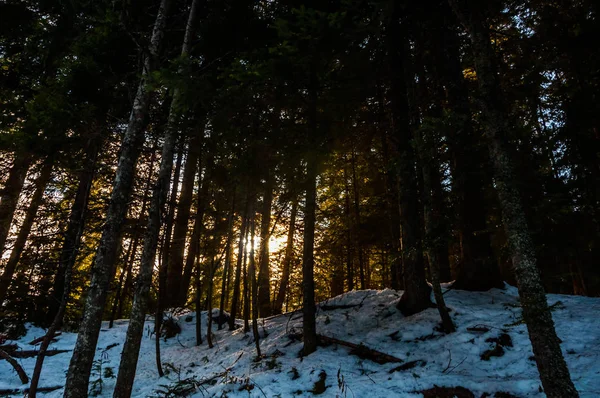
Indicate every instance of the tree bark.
{"type": "Point", "coordinates": [36, 200]}
{"type": "Point", "coordinates": [9, 195]}
{"type": "Point", "coordinates": [416, 291]}
{"type": "Point", "coordinates": [554, 373]}
{"type": "Point", "coordinates": [264, 285]}
{"type": "Point", "coordinates": [180, 231]}
{"type": "Point", "coordinates": [253, 286]}
{"type": "Point", "coordinates": [135, 330]}
{"type": "Point", "coordinates": [238, 272]}
{"type": "Point", "coordinates": [104, 264]}
{"type": "Point", "coordinates": [227, 265]}
{"type": "Point", "coordinates": [287, 260]}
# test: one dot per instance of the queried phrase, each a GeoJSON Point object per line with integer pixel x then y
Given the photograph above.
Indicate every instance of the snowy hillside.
{"type": "Point", "coordinates": [489, 355]}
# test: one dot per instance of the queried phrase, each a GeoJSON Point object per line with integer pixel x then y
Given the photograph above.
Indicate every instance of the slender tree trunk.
{"type": "Point", "coordinates": [104, 264]}
{"type": "Point", "coordinates": [209, 299]}
{"type": "Point", "coordinates": [227, 266]}
{"type": "Point", "coordinates": [247, 293]}
{"type": "Point", "coordinates": [309, 308]}
{"type": "Point", "coordinates": [416, 291]}
{"type": "Point", "coordinates": [287, 260]}
{"type": "Point", "coordinates": [68, 255]}
{"type": "Point", "coordinates": [135, 330]}
{"type": "Point", "coordinates": [9, 195]}
{"type": "Point", "coordinates": [194, 247]}
{"type": "Point", "coordinates": [359, 249]}
{"type": "Point", "coordinates": [40, 187]}
{"type": "Point", "coordinates": [162, 271]}
{"type": "Point", "coordinates": [174, 294]}
{"type": "Point", "coordinates": [554, 373]}
{"type": "Point", "coordinates": [238, 271]}
{"type": "Point", "coordinates": [198, 305]}
{"type": "Point", "coordinates": [254, 288]}
{"type": "Point", "coordinates": [264, 285]}
{"type": "Point", "coordinates": [349, 240]}
{"type": "Point", "coordinates": [434, 239]}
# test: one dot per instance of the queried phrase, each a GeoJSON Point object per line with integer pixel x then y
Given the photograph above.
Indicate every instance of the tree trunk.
{"type": "Point", "coordinates": [10, 194]}
{"type": "Point", "coordinates": [227, 265]}
{"type": "Point", "coordinates": [435, 243]}
{"type": "Point", "coordinates": [309, 308]}
{"type": "Point", "coordinates": [253, 286]}
{"type": "Point", "coordinates": [238, 271]}
{"type": "Point", "coordinates": [198, 305]}
{"type": "Point", "coordinates": [127, 268]}
{"type": "Point", "coordinates": [553, 370]}
{"type": "Point", "coordinates": [349, 241]}
{"type": "Point", "coordinates": [174, 289]}
{"type": "Point", "coordinates": [357, 237]}
{"type": "Point", "coordinates": [68, 255]}
{"type": "Point", "coordinates": [416, 291]}
{"type": "Point", "coordinates": [103, 269]}
{"type": "Point", "coordinates": [264, 285]}
{"type": "Point", "coordinates": [40, 187]}
{"type": "Point", "coordinates": [194, 247]}
{"type": "Point", "coordinates": [287, 260]}
{"type": "Point", "coordinates": [135, 330]}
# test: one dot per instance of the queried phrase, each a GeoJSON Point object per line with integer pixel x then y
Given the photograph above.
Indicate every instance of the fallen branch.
{"type": "Point", "coordinates": [18, 391]}
{"type": "Point", "coordinates": [360, 350]}
{"type": "Point", "coordinates": [16, 366]}
{"type": "Point", "coordinates": [333, 307]}
{"type": "Point", "coordinates": [34, 353]}
{"type": "Point", "coordinates": [9, 348]}
{"type": "Point", "coordinates": [39, 339]}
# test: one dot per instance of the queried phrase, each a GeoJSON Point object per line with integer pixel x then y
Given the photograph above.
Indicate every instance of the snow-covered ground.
{"type": "Point", "coordinates": [368, 317]}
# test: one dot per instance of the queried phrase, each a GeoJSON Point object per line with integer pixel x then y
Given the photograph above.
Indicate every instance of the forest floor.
{"type": "Point", "coordinates": [489, 355]}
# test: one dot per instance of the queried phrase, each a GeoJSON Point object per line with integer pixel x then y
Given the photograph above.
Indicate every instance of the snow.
{"type": "Point", "coordinates": [370, 318]}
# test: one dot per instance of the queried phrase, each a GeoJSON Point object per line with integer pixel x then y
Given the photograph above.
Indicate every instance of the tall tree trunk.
{"type": "Point", "coordinates": [238, 271]}
{"type": "Point", "coordinates": [68, 255]}
{"type": "Point", "coordinates": [357, 238]}
{"type": "Point", "coordinates": [435, 245]}
{"type": "Point", "coordinates": [104, 264]}
{"type": "Point", "coordinates": [180, 231]}
{"type": "Point", "coordinates": [135, 330]}
{"type": "Point", "coordinates": [210, 274]}
{"type": "Point", "coordinates": [416, 291]}
{"type": "Point", "coordinates": [40, 187]}
{"type": "Point", "coordinates": [72, 240]}
{"type": "Point", "coordinates": [227, 265]}
{"type": "Point", "coordinates": [287, 260]}
{"type": "Point", "coordinates": [194, 248]}
{"type": "Point", "coordinates": [253, 287]}
{"type": "Point", "coordinates": [349, 241]}
{"type": "Point", "coordinates": [126, 277]}
{"type": "Point", "coordinates": [478, 269]}
{"type": "Point", "coordinates": [554, 373]}
{"type": "Point", "coordinates": [9, 195]}
{"type": "Point", "coordinates": [264, 285]}
{"type": "Point", "coordinates": [246, 294]}
{"type": "Point", "coordinates": [198, 304]}
{"type": "Point", "coordinates": [309, 308]}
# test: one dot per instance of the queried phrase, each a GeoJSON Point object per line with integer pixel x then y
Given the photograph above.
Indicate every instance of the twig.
{"type": "Point", "coordinates": [449, 361]}
{"type": "Point", "coordinates": [460, 363]}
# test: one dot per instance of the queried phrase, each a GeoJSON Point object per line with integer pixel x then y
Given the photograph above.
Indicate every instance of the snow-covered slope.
{"type": "Point", "coordinates": [429, 357]}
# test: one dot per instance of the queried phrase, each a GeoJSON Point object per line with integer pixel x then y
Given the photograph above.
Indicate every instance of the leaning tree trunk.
{"type": "Point", "coordinates": [40, 187]}
{"type": "Point", "coordinates": [68, 256]}
{"type": "Point", "coordinates": [554, 373]}
{"type": "Point", "coordinates": [104, 264]}
{"type": "Point", "coordinates": [287, 260]}
{"type": "Point", "coordinates": [10, 194]}
{"type": "Point", "coordinates": [264, 286]}
{"type": "Point", "coordinates": [175, 266]}
{"type": "Point", "coordinates": [135, 331]}
{"type": "Point", "coordinates": [416, 291]}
